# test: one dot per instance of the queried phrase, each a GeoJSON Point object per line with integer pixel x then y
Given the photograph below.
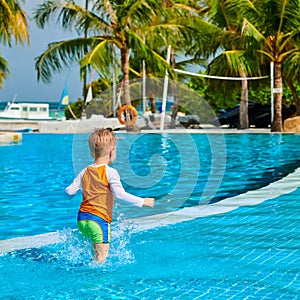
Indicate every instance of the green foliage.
{"type": "Point", "coordinates": [98, 86]}
{"type": "Point", "coordinates": [229, 38]}
{"type": "Point", "coordinates": [13, 27]}
{"type": "Point", "coordinates": [219, 98]}
{"type": "Point", "coordinates": [4, 71]}
{"type": "Point", "coordinates": [76, 109]}
{"type": "Point", "coordinates": [110, 29]}
{"type": "Point", "coordinates": [13, 23]}
{"type": "Point", "coordinates": [263, 94]}
{"type": "Point", "coordinates": [98, 107]}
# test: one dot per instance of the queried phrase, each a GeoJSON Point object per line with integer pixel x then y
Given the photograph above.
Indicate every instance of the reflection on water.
{"type": "Point", "coordinates": [177, 169]}
{"type": "Point", "coordinates": [250, 251]}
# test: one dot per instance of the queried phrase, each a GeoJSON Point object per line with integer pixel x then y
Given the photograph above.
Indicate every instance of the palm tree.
{"type": "Point", "coordinates": [275, 33]}
{"type": "Point", "coordinates": [13, 28]}
{"type": "Point", "coordinates": [179, 32]}
{"type": "Point", "coordinates": [114, 33]}
{"type": "Point", "coordinates": [231, 53]}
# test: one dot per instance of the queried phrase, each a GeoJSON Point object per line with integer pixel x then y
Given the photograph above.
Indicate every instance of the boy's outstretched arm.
{"type": "Point", "coordinates": [149, 202]}
{"type": "Point", "coordinates": [119, 192]}
{"type": "Point", "coordinates": [73, 188]}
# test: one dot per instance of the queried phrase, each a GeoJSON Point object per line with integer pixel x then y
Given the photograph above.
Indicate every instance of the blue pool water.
{"type": "Point", "coordinates": [249, 251]}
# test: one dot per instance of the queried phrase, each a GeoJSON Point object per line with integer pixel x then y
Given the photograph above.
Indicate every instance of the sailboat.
{"type": "Point", "coordinates": [64, 99]}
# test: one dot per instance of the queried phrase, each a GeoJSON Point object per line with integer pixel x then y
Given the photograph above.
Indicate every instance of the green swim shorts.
{"type": "Point", "coordinates": [98, 230]}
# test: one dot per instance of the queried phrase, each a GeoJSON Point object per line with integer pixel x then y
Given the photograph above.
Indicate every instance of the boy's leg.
{"type": "Point", "coordinates": [99, 232]}
{"type": "Point", "coordinates": [101, 252]}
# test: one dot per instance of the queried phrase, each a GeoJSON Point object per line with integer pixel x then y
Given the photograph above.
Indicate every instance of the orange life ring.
{"type": "Point", "coordinates": [125, 109]}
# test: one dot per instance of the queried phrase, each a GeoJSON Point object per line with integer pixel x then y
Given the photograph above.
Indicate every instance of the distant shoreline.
{"type": "Point", "coordinates": [52, 105]}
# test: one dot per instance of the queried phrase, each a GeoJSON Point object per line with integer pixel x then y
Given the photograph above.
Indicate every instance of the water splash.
{"type": "Point", "coordinates": [73, 251]}
{"type": "Point", "coordinates": [120, 250]}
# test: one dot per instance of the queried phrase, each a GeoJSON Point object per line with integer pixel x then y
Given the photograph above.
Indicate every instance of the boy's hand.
{"type": "Point", "coordinates": [149, 202]}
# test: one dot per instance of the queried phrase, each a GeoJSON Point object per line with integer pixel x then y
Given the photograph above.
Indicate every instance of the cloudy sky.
{"type": "Point", "coordinates": [22, 81]}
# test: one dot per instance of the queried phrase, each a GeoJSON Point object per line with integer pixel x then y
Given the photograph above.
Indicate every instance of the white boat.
{"type": "Point", "coordinates": [26, 111]}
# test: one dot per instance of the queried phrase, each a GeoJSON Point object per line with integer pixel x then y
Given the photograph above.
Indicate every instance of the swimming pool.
{"type": "Point", "coordinates": [209, 242]}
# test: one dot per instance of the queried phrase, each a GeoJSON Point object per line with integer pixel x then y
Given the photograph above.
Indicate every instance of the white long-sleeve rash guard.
{"type": "Point", "coordinates": [116, 187]}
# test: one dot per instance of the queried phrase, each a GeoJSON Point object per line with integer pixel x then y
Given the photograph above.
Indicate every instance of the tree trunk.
{"type": "Point", "coordinates": [152, 103]}
{"type": "Point", "coordinates": [244, 120]}
{"type": "Point", "coordinates": [125, 71]}
{"type": "Point", "coordinates": [295, 96]}
{"type": "Point", "coordinates": [175, 93]}
{"type": "Point", "coordinates": [277, 122]}
{"type": "Point", "coordinates": [84, 74]}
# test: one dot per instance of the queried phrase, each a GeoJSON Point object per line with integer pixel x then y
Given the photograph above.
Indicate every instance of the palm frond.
{"type": "Point", "coordinates": [136, 73]}
{"type": "Point", "coordinates": [135, 10]}
{"type": "Point", "coordinates": [4, 65]}
{"type": "Point", "coordinates": [60, 54]}
{"type": "Point", "coordinates": [6, 15]}
{"type": "Point", "coordinates": [13, 23]}
{"type": "Point", "coordinates": [20, 29]}
{"type": "Point", "coordinates": [4, 71]}
{"type": "Point", "coordinates": [291, 66]}
{"type": "Point", "coordinates": [240, 7]}
{"type": "Point", "coordinates": [286, 54]}
{"type": "Point", "coordinates": [154, 61]}
{"type": "Point", "coordinates": [102, 57]}
{"type": "Point", "coordinates": [291, 17]}
{"type": "Point", "coordinates": [282, 13]}
{"type": "Point", "coordinates": [289, 41]}
{"type": "Point", "coordinates": [107, 10]}
{"type": "Point", "coordinates": [249, 30]}
{"type": "Point", "coordinates": [233, 63]}
{"type": "Point", "coordinates": [71, 16]}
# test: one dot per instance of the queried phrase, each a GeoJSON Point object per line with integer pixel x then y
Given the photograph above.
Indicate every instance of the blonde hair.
{"type": "Point", "coordinates": [100, 141]}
